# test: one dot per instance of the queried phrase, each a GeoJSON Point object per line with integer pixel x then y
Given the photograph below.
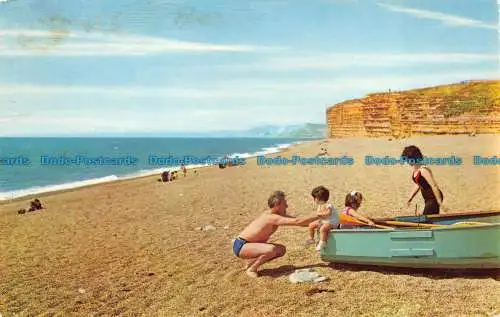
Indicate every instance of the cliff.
{"type": "Point", "coordinates": [464, 108]}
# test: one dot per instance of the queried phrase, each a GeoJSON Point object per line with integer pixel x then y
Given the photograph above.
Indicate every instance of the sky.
{"type": "Point", "coordinates": [99, 67]}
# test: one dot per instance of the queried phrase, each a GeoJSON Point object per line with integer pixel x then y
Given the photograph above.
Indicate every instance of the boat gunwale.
{"type": "Point", "coordinates": [444, 227]}
{"type": "Point", "coordinates": [467, 214]}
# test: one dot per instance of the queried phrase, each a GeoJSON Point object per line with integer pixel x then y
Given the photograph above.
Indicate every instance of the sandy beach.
{"type": "Point", "coordinates": [132, 248]}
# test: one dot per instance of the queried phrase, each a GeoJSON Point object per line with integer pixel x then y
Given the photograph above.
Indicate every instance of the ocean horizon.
{"type": "Point", "coordinates": [34, 165]}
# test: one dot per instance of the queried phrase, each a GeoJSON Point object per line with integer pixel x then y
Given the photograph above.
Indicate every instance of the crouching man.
{"type": "Point", "coordinates": [252, 243]}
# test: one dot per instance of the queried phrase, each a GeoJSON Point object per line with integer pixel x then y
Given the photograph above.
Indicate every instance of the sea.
{"type": "Point", "coordinates": [37, 165]}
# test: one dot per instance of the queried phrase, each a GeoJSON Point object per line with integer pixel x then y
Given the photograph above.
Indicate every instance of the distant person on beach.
{"type": "Point", "coordinates": [164, 176]}
{"type": "Point", "coordinates": [424, 182]}
{"type": "Point", "coordinates": [223, 162]}
{"type": "Point", "coordinates": [352, 203]}
{"type": "Point", "coordinates": [34, 206]}
{"type": "Point", "coordinates": [329, 217]}
{"type": "Point", "coordinates": [184, 170]}
{"type": "Point", "coordinates": [252, 245]}
{"type": "Point", "coordinates": [324, 151]}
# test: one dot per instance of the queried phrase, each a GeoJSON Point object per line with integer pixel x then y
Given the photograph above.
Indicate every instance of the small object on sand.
{"type": "Point", "coordinates": [226, 227]}
{"type": "Point", "coordinates": [205, 228]}
{"type": "Point", "coordinates": [81, 291]}
{"type": "Point", "coordinates": [21, 211]}
{"type": "Point", "coordinates": [306, 275]}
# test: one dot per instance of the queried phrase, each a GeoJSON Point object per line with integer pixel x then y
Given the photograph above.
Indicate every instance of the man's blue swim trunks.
{"type": "Point", "coordinates": [238, 243]}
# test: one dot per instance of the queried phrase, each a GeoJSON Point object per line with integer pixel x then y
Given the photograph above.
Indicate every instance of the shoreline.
{"type": "Point", "coordinates": [252, 158]}
{"type": "Point", "coordinates": [155, 175]}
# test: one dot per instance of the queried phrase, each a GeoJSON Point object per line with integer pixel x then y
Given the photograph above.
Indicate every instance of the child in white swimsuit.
{"type": "Point", "coordinates": [329, 216]}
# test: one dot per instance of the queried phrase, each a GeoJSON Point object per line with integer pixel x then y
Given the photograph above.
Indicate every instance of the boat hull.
{"type": "Point", "coordinates": [454, 247]}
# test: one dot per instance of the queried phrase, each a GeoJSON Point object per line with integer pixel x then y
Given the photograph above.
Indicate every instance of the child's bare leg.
{"type": "Point", "coordinates": [323, 235]}
{"type": "Point", "coordinates": [324, 231]}
{"type": "Point", "coordinates": [312, 229]}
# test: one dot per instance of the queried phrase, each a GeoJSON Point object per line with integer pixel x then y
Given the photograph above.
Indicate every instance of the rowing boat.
{"type": "Point", "coordinates": [449, 245]}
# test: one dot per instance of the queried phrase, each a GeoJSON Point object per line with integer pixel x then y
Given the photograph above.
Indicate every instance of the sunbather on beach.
{"type": "Point", "coordinates": [352, 203]}
{"type": "Point", "coordinates": [424, 182]}
{"type": "Point", "coordinates": [252, 245]}
{"type": "Point", "coordinates": [164, 176]}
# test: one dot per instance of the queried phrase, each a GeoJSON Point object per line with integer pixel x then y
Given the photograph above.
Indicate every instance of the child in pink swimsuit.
{"type": "Point", "coordinates": [352, 203]}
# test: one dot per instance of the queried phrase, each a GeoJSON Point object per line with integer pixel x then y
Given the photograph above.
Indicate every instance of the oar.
{"type": "Point", "coordinates": [412, 224]}
{"type": "Point", "coordinates": [430, 225]}
{"type": "Point", "coordinates": [470, 223]}
{"type": "Point", "coordinates": [349, 219]}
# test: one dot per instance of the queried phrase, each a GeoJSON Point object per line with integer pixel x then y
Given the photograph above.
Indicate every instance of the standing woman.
{"type": "Point", "coordinates": [424, 182]}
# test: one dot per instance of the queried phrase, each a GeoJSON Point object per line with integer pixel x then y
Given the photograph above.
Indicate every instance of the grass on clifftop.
{"type": "Point", "coordinates": [475, 97]}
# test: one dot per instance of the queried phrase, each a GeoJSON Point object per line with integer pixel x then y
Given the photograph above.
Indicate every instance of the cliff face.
{"type": "Point", "coordinates": [469, 107]}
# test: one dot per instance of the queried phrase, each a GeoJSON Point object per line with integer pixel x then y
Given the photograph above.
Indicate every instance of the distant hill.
{"type": "Point", "coordinates": [297, 131]}
{"type": "Point", "coordinates": [307, 130]}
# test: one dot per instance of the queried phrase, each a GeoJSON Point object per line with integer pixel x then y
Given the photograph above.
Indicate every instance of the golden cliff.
{"type": "Point", "coordinates": [465, 108]}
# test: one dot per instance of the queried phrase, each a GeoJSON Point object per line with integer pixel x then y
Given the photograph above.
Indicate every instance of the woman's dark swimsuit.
{"type": "Point", "coordinates": [431, 203]}
{"type": "Point", "coordinates": [238, 243]}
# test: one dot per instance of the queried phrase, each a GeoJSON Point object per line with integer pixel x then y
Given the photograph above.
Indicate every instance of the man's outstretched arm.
{"type": "Point", "coordinates": [278, 220]}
